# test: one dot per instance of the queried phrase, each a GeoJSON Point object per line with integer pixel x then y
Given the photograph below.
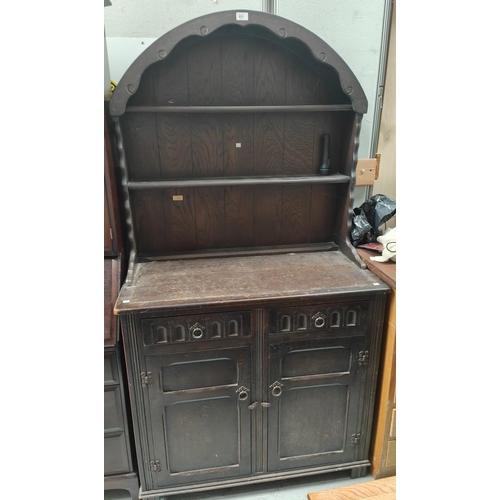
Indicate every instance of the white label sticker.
{"type": "Point", "coordinates": [126, 301]}
{"type": "Point", "coordinates": [241, 16]}
{"type": "Point", "coordinates": [238, 144]}
{"type": "Point", "coordinates": [376, 284]}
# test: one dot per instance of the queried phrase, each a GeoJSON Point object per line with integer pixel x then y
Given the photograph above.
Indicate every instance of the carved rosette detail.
{"type": "Point", "coordinates": [356, 438]}
{"type": "Point", "coordinates": [146, 379]}
{"type": "Point", "coordinates": [154, 466]}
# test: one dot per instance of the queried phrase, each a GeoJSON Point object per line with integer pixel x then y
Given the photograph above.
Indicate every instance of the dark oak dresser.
{"type": "Point", "coordinates": [251, 327]}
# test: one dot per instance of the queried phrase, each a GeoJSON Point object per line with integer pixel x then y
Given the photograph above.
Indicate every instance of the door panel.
{"type": "Point", "coordinates": [307, 433]}
{"type": "Point", "coordinates": [186, 426]}
{"type": "Point", "coordinates": [200, 420]}
{"type": "Point", "coordinates": [314, 392]}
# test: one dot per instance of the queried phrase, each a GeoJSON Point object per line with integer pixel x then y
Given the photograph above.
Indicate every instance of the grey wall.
{"type": "Point", "coordinates": [353, 28]}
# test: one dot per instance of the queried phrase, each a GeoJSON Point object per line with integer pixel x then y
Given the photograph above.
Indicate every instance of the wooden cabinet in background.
{"type": "Point", "coordinates": [119, 454]}
{"type": "Point", "coordinates": [383, 448]}
{"type": "Point", "coordinates": [113, 243]}
{"type": "Point", "coordinates": [119, 473]}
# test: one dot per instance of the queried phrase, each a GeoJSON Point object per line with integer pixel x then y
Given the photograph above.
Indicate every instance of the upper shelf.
{"type": "Point", "coordinates": [240, 109]}
{"type": "Point", "coordinates": [240, 181]}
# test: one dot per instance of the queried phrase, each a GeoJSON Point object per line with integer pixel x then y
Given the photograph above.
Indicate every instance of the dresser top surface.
{"type": "Point", "coordinates": [215, 281]}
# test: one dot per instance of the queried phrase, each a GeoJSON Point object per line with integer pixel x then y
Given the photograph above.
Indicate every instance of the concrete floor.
{"type": "Point", "coordinates": [290, 489]}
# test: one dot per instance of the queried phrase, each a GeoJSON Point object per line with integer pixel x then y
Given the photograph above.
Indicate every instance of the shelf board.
{"type": "Point", "coordinates": [304, 108]}
{"type": "Point", "coordinates": [240, 181]}
{"type": "Point", "coordinates": [239, 252]}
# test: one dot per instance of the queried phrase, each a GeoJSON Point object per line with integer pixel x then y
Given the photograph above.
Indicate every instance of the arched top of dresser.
{"type": "Point", "coordinates": [281, 31]}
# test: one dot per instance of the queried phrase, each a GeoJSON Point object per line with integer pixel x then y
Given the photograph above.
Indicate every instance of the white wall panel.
{"type": "Point", "coordinates": [353, 28]}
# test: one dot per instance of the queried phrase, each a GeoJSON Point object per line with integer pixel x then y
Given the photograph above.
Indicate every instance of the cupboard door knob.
{"type": "Point", "coordinates": [253, 406]}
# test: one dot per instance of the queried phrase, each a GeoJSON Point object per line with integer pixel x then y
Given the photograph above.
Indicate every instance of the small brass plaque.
{"type": "Point", "coordinates": [177, 197]}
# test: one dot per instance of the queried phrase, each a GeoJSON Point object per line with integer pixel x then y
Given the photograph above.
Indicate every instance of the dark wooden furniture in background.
{"type": "Point", "coordinates": [383, 448]}
{"type": "Point", "coordinates": [251, 326]}
{"type": "Point", "coordinates": [119, 470]}
{"type": "Point", "coordinates": [113, 240]}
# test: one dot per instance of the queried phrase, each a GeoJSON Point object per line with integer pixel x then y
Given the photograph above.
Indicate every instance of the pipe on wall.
{"type": "Point", "coordinates": [270, 6]}
{"type": "Point", "coordinates": [384, 50]}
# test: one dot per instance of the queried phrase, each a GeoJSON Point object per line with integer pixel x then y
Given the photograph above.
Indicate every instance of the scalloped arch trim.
{"type": "Point", "coordinates": [205, 25]}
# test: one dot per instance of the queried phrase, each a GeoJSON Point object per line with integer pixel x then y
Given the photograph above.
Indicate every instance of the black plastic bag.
{"type": "Point", "coordinates": [360, 228]}
{"type": "Point", "coordinates": [369, 217]}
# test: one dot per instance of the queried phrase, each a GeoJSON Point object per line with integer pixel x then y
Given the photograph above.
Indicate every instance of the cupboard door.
{"type": "Point", "coordinates": [200, 420]}
{"type": "Point", "coordinates": [314, 395]}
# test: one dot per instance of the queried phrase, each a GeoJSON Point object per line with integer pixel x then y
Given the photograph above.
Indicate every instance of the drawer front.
{"type": "Point", "coordinates": [110, 368]}
{"type": "Point", "coordinates": [339, 317]}
{"type": "Point", "coordinates": [195, 328]}
{"type": "Point", "coordinates": [117, 459]}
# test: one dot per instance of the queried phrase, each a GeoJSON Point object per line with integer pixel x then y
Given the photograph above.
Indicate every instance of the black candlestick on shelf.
{"type": "Point", "coordinates": [325, 164]}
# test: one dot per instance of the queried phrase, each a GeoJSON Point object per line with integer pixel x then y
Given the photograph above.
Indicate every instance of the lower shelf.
{"type": "Point", "coordinates": [241, 181]}
{"type": "Point", "coordinates": [237, 252]}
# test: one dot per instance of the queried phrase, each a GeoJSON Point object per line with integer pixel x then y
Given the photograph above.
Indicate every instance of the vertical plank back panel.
{"type": "Point", "coordinates": [268, 208]}
{"type": "Point", "coordinates": [149, 220]}
{"type": "Point", "coordinates": [239, 216]}
{"type": "Point", "coordinates": [269, 89]}
{"type": "Point", "coordinates": [210, 220]}
{"type": "Point", "coordinates": [298, 148]}
{"type": "Point", "coordinates": [237, 66]}
{"type": "Point", "coordinates": [141, 146]}
{"type": "Point", "coordinates": [322, 213]}
{"type": "Point", "coordinates": [204, 73]}
{"type": "Point", "coordinates": [269, 143]}
{"type": "Point", "coordinates": [174, 145]}
{"type": "Point", "coordinates": [170, 80]}
{"type": "Point", "coordinates": [296, 213]}
{"type": "Point", "coordinates": [238, 145]}
{"type": "Point", "coordinates": [180, 219]}
{"type": "Point", "coordinates": [207, 133]}
{"type": "Point", "coordinates": [237, 70]}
